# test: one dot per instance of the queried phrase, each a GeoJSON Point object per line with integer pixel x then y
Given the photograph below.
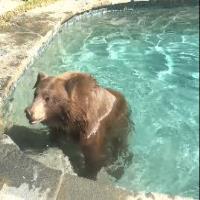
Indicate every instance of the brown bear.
{"type": "Point", "coordinates": [96, 118]}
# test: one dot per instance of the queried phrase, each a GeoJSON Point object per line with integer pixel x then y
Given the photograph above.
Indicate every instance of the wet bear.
{"type": "Point", "coordinates": [96, 118]}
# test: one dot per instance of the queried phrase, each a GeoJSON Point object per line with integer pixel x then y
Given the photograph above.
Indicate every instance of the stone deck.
{"type": "Point", "coordinates": [22, 178]}
{"type": "Point", "coordinates": [9, 5]}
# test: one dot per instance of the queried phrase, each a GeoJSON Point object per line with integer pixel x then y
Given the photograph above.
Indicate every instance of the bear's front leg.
{"type": "Point", "coordinates": [94, 158]}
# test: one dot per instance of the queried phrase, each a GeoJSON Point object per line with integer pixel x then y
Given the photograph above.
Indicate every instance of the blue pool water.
{"type": "Point", "coordinates": [151, 56]}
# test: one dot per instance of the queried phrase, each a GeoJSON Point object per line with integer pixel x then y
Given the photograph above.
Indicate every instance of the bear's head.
{"type": "Point", "coordinates": [58, 99]}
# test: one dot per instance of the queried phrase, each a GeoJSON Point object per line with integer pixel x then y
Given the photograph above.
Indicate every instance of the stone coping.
{"type": "Point", "coordinates": [22, 178]}
{"type": "Point", "coordinates": [25, 39]}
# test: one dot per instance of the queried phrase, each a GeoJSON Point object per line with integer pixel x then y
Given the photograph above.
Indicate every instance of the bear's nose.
{"type": "Point", "coordinates": [28, 113]}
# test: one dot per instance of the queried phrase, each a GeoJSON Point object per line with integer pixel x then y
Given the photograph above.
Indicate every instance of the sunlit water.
{"type": "Point", "coordinates": [151, 56]}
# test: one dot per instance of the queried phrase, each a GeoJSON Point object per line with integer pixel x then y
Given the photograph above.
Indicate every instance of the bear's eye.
{"type": "Point", "coordinates": [46, 99]}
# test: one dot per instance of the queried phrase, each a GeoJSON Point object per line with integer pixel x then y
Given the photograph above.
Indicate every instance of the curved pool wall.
{"type": "Point", "coordinates": [32, 38]}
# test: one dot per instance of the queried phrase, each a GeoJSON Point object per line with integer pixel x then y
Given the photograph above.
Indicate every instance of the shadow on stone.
{"type": "Point", "coordinates": [42, 146]}
{"type": "Point", "coordinates": [29, 139]}
{"type": "Point", "coordinates": [38, 141]}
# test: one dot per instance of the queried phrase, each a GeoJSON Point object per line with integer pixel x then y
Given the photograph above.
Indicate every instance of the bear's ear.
{"type": "Point", "coordinates": [83, 81]}
{"type": "Point", "coordinates": [71, 83]}
{"type": "Point", "coordinates": [40, 77]}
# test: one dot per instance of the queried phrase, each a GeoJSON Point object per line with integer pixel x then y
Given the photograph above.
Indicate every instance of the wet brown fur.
{"type": "Point", "coordinates": [76, 103]}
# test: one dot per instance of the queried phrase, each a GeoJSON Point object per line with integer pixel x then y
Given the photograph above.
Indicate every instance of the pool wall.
{"type": "Point", "coordinates": [21, 42]}
{"type": "Point", "coordinates": [27, 35]}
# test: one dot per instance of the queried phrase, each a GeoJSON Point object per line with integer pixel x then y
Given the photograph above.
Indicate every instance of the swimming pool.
{"type": "Point", "coordinates": [151, 56]}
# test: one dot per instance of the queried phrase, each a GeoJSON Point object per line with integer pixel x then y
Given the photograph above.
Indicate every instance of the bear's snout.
{"type": "Point", "coordinates": [36, 113]}
{"type": "Point", "coordinates": [29, 114]}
